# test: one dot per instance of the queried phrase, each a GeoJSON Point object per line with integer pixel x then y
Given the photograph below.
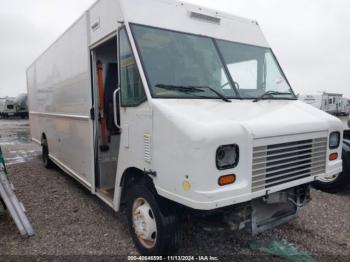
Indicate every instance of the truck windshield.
{"type": "Point", "coordinates": [176, 62]}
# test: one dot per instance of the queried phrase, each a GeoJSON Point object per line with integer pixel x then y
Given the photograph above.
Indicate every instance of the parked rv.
{"type": "Point", "coordinates": [2, 104]}
{"type": "Point", "coordinates": [318, 101]}
{"type": "Point", "coordinates": [328, 102]}
{"type": "Point", "coordinates": [345, 107]}
{"type": "Point", "coordinates": [7, 108]}
{"type": "Point", "coordinates": [178, 118]}
{"type": "Point", "coordinates": [334, 103]}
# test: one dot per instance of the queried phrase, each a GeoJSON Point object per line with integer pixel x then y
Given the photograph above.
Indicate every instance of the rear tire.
{"type": "Point", "coordinates": [45, 156]}
{"type": "Point", "coordinates": [153, 222]}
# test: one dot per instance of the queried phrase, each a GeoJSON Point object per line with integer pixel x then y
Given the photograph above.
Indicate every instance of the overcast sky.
{"type": "Point", "coordinates": [310, 38]}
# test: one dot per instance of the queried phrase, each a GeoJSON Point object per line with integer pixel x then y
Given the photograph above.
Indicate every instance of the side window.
{"type": "Point", "coordinates": [131, 87]}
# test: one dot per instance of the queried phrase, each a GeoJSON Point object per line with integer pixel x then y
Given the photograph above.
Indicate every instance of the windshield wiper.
{"type": "Point", "coordinates": [270, 94]}
{"type": "Point", "coordinates": [194, 89]}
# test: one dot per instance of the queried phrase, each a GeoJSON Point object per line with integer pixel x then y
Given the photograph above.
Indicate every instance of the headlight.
{"type": "Point", "coordinates": [227, 157]}
{"type": "Point", "coordinates": [334, 140]}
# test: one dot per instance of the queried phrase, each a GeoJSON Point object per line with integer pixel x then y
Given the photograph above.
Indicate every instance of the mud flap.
{"type": "Point", "coordinates": [13, 206]}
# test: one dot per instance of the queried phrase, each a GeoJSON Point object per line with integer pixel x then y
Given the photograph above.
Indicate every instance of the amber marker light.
{"type": "Point", "coordinates": [333, 156]}
{"type": "Point", "coordinates": [227, 180]}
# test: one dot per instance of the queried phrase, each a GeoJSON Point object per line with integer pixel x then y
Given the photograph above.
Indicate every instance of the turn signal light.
{"type": "Point", "coordinates": [227, 180]}
{"type": "Point", "coordinates": [333, 156]}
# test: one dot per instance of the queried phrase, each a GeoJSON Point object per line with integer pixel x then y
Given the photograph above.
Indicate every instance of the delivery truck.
{"type": "Point", "coordinates": [170, 109]}
{"type": "Point", "coordinates": [7, 107]}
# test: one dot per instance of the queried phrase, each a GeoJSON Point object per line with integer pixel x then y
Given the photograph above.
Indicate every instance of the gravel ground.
{"type": "Point", "coordinates": [70, 222]}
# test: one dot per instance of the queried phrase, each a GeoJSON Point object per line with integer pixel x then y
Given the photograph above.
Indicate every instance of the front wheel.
{"type": "Point", "coordinates": [153, 226]}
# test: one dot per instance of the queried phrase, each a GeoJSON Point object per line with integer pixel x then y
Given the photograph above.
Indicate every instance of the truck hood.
{"type": "Point", "coordinates": [266, 118]}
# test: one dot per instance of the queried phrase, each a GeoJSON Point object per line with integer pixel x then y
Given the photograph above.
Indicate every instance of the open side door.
{"type": "Point", "coordinates": [104, 64]}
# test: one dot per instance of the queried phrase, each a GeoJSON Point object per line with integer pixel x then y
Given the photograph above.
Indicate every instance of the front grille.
{"type": "Point", "coordinates": [282, 163]}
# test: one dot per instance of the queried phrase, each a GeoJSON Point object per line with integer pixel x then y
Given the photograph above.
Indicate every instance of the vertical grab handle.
{"type": "Point", "coordinates": [115, 107]}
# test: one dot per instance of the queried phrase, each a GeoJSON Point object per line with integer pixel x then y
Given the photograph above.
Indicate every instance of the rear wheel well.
{"type": "Point", "coordinates": [45, 152]}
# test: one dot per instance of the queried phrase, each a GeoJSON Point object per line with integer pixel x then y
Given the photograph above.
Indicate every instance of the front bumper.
{"type": "Point", "coordinates": [256, 216]}
{"type": "Point", "coordinates": [334, 168]}
{"type": "Point", "coordinates": [231, 200]}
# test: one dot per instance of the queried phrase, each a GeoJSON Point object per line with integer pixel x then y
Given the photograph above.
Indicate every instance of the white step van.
{"type": "Point", "coordinates": [177, 110]}
{"type": "Point", "coordinates": [7, 107]}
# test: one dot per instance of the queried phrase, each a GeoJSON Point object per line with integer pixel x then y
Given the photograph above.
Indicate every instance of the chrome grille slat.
{"type": "Point", "coordinates": [266, 178]}
{"type": "Point", "coordinates": [281, 163]}
{"type": "Point", "coordinates": [294, 151]}
{"type": "Point", "coordinates": [291, 157]}
{"type": "Point", "coordinates": [264, 186]}
{"type": "Point", "coordinates": [288, 147]}
{"type": "Point", "coordinates": [287, 179]}
{"type": "Point", "coordinates": [289, 168]}
{"type": "Point", "coordinates": [291, 162]}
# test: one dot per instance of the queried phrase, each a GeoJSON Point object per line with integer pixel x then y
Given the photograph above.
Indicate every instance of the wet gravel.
{"type": "Point", "coordinates": [69, 221]}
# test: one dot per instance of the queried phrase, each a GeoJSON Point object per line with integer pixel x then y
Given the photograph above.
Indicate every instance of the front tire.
{"type": "Point", "coordinates": [153, 223]}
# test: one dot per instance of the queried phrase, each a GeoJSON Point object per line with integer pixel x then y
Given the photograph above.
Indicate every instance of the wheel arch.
{"type": "Point", "coordinates": [134, 175]}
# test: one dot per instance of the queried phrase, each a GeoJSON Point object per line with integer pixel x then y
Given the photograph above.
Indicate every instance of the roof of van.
{"type": "Point", "coordinates": [187, 17]}
{"type": "Point", "coordinates": [103, 16]}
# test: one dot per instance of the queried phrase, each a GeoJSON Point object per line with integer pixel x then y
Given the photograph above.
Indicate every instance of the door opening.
{"type": "Point", "coordinates": [107, 133]}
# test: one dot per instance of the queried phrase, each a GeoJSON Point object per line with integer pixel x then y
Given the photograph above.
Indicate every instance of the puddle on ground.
{"type": "Point", "coordinates": [15, 138]}
{"type": "Point", "coordinates": [16, 142]}
{"type": "Point", "coordinates": [21, 156]}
